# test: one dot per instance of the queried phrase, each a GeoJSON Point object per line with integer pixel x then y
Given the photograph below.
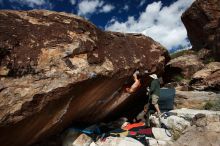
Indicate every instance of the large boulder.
{"type": "Point", "coordinates": [184, 66]}
{"type": "Point", "coordinates": [58, 69]}
{"type": "Point", "coordinates": [204, 131]}
{"type": "Point", "coordinates": [190, 127]}
{"type": "Point", "coordinates": [202, 21]}
{"type": "Point", "coordinates": [197, 136]}
{"type": "Point", "coordinates": [207, 78]}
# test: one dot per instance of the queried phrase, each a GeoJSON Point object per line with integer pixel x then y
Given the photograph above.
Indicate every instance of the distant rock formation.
{"type": "Point", "coordinates": [190, 72]}
{"type": "Point", "coordinates": [207, 78]}
{"type": "Point", "coordinates": [57, 69]}
{"type": "Point", "coordinates": [200, 68]}
{"type": "Point", "coordinates": [185, 66]}
{"type": "Point", "coordinates": [202, 21]}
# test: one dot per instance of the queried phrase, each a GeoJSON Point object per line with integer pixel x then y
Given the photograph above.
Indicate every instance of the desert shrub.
{"type": "Point", "coordinates": [178, 78]}
{"type": "Point", "coordinates": [209, 60]}
{"type": "Point", "coordinates": [181, 53]}
{"type": "Point", "coordinates": [213, 105]}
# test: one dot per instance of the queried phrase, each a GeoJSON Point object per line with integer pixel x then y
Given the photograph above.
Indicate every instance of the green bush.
{"type": "Point", "coordinates": [178, 78]}
{"type": "Point", "coordinates": [209, 60]}
{"type": "Point", "coordinates": [181, 53]}
{"type": "Point", "coordinates": [213, 105]}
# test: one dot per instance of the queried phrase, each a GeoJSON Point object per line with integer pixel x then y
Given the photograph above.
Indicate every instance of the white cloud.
{"type": "Point", "coordinates": [73, 2]}
{"type": "Point", "coordinates": [88, 7]}
{"type": "Point", "coordinates": [142, 3]}
{"type": "Point", "coordinates": [126, 8]}
{"type": "Point", "coordinates": [163, 24]}
{"type": "Point", "coordinates": [30, 3]}
{"type": "Point", "coordinates": [107, 8]}
{"type": "Point", "coordinates": [33, 3]}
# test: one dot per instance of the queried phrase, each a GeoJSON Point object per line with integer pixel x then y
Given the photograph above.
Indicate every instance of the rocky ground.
{"type": "Point", "coordinates": [195, 99]}
{"type": "Point", "coordinates": [185, 127]}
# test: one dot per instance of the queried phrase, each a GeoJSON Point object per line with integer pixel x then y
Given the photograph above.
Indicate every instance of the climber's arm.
{"type": "Point", "coordinates": [134, 87]}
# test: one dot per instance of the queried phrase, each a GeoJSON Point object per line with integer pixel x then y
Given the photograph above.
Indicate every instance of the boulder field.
{"type": "Point", "coordinates": [58, 69]}
{"type": "Point", "coordinates": [201, 66]}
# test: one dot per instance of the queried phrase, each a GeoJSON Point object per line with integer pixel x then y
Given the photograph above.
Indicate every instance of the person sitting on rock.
{"type": "Point", "coordinates": [136, 83]}
{"type": "Point", "coordinates": [154, 94]}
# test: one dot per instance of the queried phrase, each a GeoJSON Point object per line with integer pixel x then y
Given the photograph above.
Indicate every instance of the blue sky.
{"type": "Point", "coordinates": [159, 19]}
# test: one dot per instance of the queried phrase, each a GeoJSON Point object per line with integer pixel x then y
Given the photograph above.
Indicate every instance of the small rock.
{"type": "Point", "coordinates": [74, 138]}
{"type": "Point", "coordinates": [82, 140]}
{"type": "Point", "coordinates": [199, 120]}
{"type": "Point", "coordinates": [119, 141]}
{"type": "Point", "coordinates": [4, 71]}
{"type": "Point", "coordinates": [69, 136]}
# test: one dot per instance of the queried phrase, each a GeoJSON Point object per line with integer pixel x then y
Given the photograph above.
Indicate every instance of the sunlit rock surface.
{"type": "Point", "coordinates": [194, 99]}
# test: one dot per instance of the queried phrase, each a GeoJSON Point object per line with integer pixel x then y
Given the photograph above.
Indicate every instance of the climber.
{"type": "Point", "coordinates": [136, 83]}
{"type": "Point", "coordinates": [154, 94]}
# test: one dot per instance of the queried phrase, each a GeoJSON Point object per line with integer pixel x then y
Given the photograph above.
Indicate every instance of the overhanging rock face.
{"type": "Point", "coordinates": [57, 69]}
